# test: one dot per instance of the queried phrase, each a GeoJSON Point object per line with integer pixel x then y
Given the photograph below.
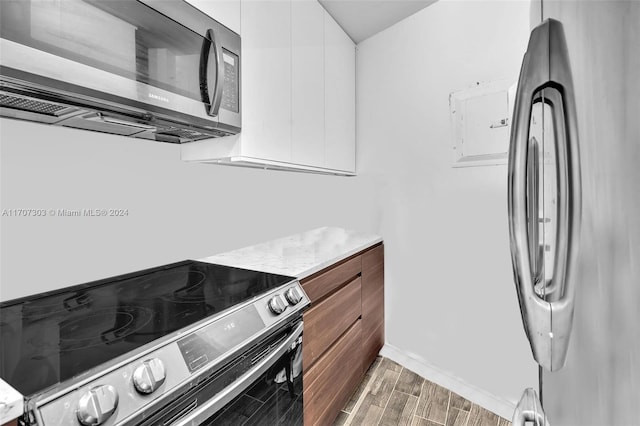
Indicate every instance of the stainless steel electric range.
{"type": "Point", "coordinates": [186, 343]}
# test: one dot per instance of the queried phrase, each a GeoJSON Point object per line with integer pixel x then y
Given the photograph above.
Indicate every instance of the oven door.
{"type": "Point", "coordinates": [261, 386]}
{"type": "Point", "coordinates": [123, 53]}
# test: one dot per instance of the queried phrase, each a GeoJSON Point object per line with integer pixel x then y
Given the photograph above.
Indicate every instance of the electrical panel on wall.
{"type": "Point", "coordinates": [481, 122]}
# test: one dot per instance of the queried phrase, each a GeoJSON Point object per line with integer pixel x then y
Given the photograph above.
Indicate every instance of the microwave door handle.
{"type": "Point", "coordinates": [212, 102]}
{"type": "Point", "coordinates": [217, 94]}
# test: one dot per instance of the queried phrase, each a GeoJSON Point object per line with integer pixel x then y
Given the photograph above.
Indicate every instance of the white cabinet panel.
{"type": "Point", "coordinates": [227, 12]}
{"type": "Point", "coordinates": [340, 105]}
{"type": "Point", "coordinates": [266, 79]}
{"type": "Point", "coordinates": [307, 37]}
{"type": "Point", "coordinates": [298, 92]}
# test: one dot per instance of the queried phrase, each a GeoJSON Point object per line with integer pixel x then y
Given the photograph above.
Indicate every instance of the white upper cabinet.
{"type": "Point", "coordinates": [298, 91]}
{"type": "Point", "coordinates": [227, 12]}
{"type": "Point", "coordinates": [266, 80]}
{"type": "Point", "coordinates": [339, 97]}
{"type": "Point", "coordinates": [308, 85]}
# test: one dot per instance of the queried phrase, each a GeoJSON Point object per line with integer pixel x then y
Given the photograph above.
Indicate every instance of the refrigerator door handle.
{"type": "Point", "coordinates": [536, 250]}
{"type": "Point", "coordinates": [529, 409]}
{"type": "Point", "coordinates": [547, 323]}
{"type": "Point", "coordinates": [552, 290]}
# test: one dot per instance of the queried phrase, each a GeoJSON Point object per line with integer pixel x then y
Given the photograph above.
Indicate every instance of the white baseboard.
{"type": "Point", "coordinates": [430, 372]}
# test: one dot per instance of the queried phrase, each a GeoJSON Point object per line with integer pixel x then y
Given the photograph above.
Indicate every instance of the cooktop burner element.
{"type": "Point", "coordinates": [66, 333]}
{"type": "Point", "coordinates": [87, 331]}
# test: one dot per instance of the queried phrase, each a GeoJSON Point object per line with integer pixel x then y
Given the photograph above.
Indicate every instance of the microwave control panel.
{"type": "Point", "coordinates": [231, 85]}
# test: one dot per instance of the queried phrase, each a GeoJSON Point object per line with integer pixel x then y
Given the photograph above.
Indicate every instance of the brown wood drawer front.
{"type": "Point", "coordinates": [329, 383]}
{"type": "Point", "coordinates": [371, 345]}
{"type": "Point", "coordinates": [326, 281]}
{"type": "Point", "coordinates": [327, 320]}
{"type": "Point", "coordinates": [372, 309]}
{"type": "Point", "coordinates": [372, 302]}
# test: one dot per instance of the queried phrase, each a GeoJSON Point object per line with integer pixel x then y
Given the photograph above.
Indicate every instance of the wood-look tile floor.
{"type": "Point", "coordinates": [391, 395]}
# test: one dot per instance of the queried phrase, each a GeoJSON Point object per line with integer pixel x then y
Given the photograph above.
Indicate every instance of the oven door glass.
{"type": "Point", "coordinates": [124, 41]}
{"type": "Point", "coordinates": [260, 386]}
{"type": "Point", "coordinates": [271, 399]}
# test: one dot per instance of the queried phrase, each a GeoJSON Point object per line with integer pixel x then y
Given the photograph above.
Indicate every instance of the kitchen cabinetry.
{"type": "Point", "coordinates": [339, 97]}
{"type": "Point", "coordinates": [344, 331]}
{"type": "Point", "coordinates": [266, 81]}
{"type": "Point", "coordinates": [332, 380]}
{"type": "Point", "coordinates": [326, 321]}
{"type": "Point", "coordinates": [298, 92]}
{"type": "Point", "coordinates": [308, 85]}
{"type": "Point", "coordinates": [372, 303]}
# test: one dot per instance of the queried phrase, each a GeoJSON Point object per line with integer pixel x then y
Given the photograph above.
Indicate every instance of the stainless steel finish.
{"type": "Point", "coordinates": [149, 376]}
{"type": "Point", "coordinates": [30, 108]}
{"type": "Point", "coordinates": [48, 408]}
{"type": "Point", "coordinates": [192, 18]}
{"type": "Point", "coordinates": [547, 323]}
{"type": "Point", "coordinates": [204, 411]}
{"type": "Point", "coordinates": [104, 123]}
{"type": "Point", "coordinates": [293, 295]}
{"type": "Point", "coordinates": [97, 405]}
{"type": "Point", "coordinates": [111, 120]}
{"type": "Point", "coordinates": [132, 405]}
{"type": "Point", "coordinates": [148, 349]}
{"type": "Point", "coordinates": [93, 119]}
{"type": "Point", "coordinates": [68, 84]}
{"type": "Point", "coordinates": [600, 383]}
{"type": "Point", "coordinates": [33, 105]}
{"type": "Point", "coordinates": [214, 108]}
{"type": "Point", "coordinates": [533, 189]}
{"type": "Point", "coordinates": [529, 409]}
{"type": "Point", "coordinates": [277, 305]}
{"type": "Point", "coordinates": [551, 289]}
{"type": "Point", "coordinates": [38, 62]}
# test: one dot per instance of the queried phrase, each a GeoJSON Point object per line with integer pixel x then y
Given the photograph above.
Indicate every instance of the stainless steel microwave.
{"type": "Point", "coordinates": [153, 69]}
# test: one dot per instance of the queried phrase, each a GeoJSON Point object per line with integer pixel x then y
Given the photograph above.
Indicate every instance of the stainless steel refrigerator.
{"type": "Point", "coordinates": [574, 212]}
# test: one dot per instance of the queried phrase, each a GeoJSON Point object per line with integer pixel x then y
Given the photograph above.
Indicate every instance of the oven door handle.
{"type": "Point", "coordinates": [211, 406]}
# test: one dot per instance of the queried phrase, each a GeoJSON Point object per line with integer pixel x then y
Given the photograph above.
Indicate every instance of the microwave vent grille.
{"type": "Point", "coordinates": [31, 105]}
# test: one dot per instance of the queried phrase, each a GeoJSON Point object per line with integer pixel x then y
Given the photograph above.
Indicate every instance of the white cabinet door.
{"type": "Point", "coordinates": [227, 12]}
{"type": "Point", "coordinates": [266, 79]}
{"type": "Point", "coordinates": [307, 55]}
{"type": "Point", "coordinates": [340, 97]}
{"type": "Point", "coordinates": [298, 91]}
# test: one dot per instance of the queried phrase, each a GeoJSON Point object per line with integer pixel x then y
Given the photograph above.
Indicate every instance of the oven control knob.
{"type": "Point", "coordinates": [149, 376]}
{"type": "Point", "coordinates": [97, 405]}
{"type": "Point", "coordinates": [277, 305]}
{"type": "Point", "coordinates": [293, 295]}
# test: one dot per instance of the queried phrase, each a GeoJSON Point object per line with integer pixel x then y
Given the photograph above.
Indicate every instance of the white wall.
{"type": "Point", "coordinates": [177, 210]}
{"type": "Point", "coordinates": [450, 297]}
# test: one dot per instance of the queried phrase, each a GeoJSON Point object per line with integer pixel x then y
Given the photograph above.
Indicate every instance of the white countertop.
{"type": "Point", "coordinates": [11, 403]}
{"type": "Point", "coordinates": [298, 255]}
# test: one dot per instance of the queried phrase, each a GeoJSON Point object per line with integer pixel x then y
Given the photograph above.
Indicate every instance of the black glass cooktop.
{"type": "Point", "coordinates": [51, 337]}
